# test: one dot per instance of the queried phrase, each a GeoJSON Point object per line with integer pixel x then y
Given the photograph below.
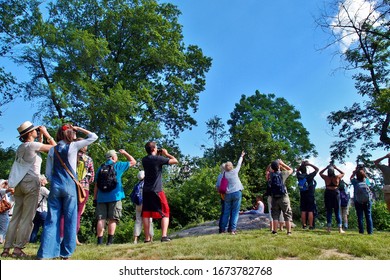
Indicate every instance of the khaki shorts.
{"type": "Point", "coordinates": [281, 205]}
{"type": "Point", "coordinates": [109, 210]}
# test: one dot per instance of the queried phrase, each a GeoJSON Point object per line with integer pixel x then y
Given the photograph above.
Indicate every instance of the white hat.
{"type": "Point", "coordinates": [26, 127]}
{"type": "Point", "coordinates": [141, 175]}
{"type": "Point", "coordinates": [110, 154]}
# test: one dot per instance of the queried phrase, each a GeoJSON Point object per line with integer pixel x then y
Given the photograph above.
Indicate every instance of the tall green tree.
{"type": "Point", "coordinates": [217, 133]}
{"type": "Point", "coordinates": [364, 35]}
{"type": "Point", "coordinates": [120, 68]}
{"type": "Point", "coordinates": [266, 127]}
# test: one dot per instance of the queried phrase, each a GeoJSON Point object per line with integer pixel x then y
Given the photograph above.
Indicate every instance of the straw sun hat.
{"type": "Point", "coordinates": [26, 127]}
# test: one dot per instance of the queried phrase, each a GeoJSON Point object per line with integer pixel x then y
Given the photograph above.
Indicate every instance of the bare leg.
{"type": "Point", "coordinates": [146, 222]}
{"type": "Point", "coordinates": [164, 226]}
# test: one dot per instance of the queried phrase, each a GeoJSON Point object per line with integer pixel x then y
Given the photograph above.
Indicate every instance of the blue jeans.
{"type": "Point", "coordinates": [221, 229]}
{"type": "Point", "coordinates": [4, 222]}
{"type": "Point", "coordinates": [39, 221]}
{"type": "Point", "coordinates": [366, 210]}
{"type": "Point", "coordinates": [62, 201]}
{"type": "Point", "coordinates": [231, 210]}
{"type": "Point", "coordinates": [332, 202]}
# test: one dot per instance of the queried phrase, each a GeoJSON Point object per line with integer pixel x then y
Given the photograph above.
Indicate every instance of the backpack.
{"type": "Point", "coordinates": [362, 193]}
{"type": "Point", "coordinates": [106, 179]}
{"type": "Point", "coordinates": [344, 198]}
{"type": "Point", "coordinates": [136, 194]}
{"type": "Point", "coordinates": [303, 184]}
{"type": "Point", "coordinates": [276, 185]}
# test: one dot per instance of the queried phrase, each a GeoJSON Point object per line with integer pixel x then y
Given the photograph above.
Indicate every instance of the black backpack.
{"type": "Point", "coordinates": [276, 185]}
{"type": "Point", "coordinates": [106, 179]}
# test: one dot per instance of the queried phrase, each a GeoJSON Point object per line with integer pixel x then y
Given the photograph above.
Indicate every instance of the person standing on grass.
{"type": "Point", "coordinates": [24, 177]}
{"type": "Point", "coordinates": [332, 195]}
{"type": "Point", "coordinates": [278, 173]}
{"type": "Point", "coordinates": [60, 170]}
{"type": "Point", "coordinates": [155, 204]}
{"type": "Point", "coordinates": [362, 207]}
{"type": "Point", "coordinates": [138, 212]}
{"type": "Point", "coordinates": [86, 176]}
{"type": "Point", "coordinates": [41, 213]}
{"type": "Point", "coordinates": [307, 187]}
{"type": "Point", "coordinates": [218, 183]}
{"type": "Point", "coordinates": [109, 203]}
{"type": "Point", "coordinates": [233, 195]}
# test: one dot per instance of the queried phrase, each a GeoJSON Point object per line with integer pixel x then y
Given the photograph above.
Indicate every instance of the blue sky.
{"type": "Point", "coordinates": [270, 46]}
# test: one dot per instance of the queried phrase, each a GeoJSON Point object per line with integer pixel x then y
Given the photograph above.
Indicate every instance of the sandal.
{"type": "Point", "coordinates": [19, 254]}
{"type": "Point", "coordinates": [5, 254]}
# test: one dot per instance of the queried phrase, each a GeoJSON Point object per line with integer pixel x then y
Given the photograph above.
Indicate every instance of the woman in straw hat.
{"type": "Point", "coordinates": [24, 177]}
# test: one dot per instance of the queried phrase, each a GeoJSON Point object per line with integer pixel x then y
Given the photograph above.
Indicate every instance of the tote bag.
{"type": "Point", "coordinates": [223, 185]}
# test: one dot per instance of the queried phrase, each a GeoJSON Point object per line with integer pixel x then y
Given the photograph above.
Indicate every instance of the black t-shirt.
{"type": "Point", "coordinates": [153, 172]}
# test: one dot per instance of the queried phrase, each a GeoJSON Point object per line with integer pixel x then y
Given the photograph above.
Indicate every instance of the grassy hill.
{"type": "Point", "coordinates": [246, 245]}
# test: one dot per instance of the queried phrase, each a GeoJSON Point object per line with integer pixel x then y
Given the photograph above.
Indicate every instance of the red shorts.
{"type": "Point", "coordinates": [155, 205]}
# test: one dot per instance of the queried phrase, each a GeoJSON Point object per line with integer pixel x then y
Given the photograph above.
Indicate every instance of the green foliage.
{"type": "Point", "coordinates": [380, 216]}
{"type": "Point", "coordinates": [196, 200]}
{"type": "Point", "coordinates": [368, 57]}
{"type": "Point", "coordinates": [122, 63]}
{"type": "Point", "coordinates": [7, 157]}
{"type": "Point", "coordinates": [277, 121]}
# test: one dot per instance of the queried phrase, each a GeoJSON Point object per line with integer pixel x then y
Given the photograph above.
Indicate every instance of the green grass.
{"type": "Point", "coordinates": [246, 245]}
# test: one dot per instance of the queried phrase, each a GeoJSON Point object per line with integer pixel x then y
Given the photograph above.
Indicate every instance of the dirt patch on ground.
{"type": "Point", "coordinates": [332, 254]}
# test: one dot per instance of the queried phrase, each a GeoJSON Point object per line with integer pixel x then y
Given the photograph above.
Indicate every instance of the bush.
{"type": "Point", "coordinates": [380, 216]}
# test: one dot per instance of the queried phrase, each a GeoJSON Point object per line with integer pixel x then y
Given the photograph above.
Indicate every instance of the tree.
{"type": "Point", "coordinates": [118, 63]}
{"type": "Point", "coordinates": [276, 119]}
{"type": "Point", "coordinates": [362, 29]}
{"type": "Point", "coordinates": [266, 127]}
{"type": "Point", "coordinates": [7, 88]}
{"type": "Point", "coordinates": [216, 132]}
{"type": "Point", "coordinates": [7, 157]}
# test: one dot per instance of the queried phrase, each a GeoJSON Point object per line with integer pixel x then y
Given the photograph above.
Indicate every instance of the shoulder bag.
{"type": "Point", "coordinates": [80, 190]}
{"type": "Point", "coordinates": [223, 185]}
{"type": "Point", "coordinates": [4, 204]}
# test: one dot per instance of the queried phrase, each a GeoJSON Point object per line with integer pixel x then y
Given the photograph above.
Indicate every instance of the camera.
{"type": "Point", "coordinates": [159, 152]}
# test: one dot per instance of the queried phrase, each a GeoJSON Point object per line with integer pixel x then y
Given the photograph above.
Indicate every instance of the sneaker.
{"type": "Point", "coordinates": [311, 228]}
{"type": "Point", "coordinates": [165, 239]}
{"type": "Point", "coordinates": [274, 232]}
{"type": "Point", "coordinates": [289, 233]}
{"type": "Point", "coordinates": [304, 227]}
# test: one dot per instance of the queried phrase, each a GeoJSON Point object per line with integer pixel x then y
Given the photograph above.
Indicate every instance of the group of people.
{"type": "Point", "coordinates": [59, 210]}
{"type": "Point", "coordinates": [280, 212]}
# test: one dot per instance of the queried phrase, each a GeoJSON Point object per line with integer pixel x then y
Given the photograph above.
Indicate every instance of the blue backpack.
{"type": "Point", "coordinates": [136, 194]}
{"type": "Point", "coordinates": [303, 184]}
{"type": "Point", "coordinates": [276, 185]}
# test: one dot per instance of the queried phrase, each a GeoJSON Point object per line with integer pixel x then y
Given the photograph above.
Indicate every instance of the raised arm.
{"type": "Point", "coordinates": [377, 161]}
{"type": "Point", "coordinates": [285, 167]}
{"type": "Point", "coordinates": [172, 159]}
{"type": "Point", "coordinates": [50, 140]}
{"type": "Point", "coordinates": [128, 157]}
